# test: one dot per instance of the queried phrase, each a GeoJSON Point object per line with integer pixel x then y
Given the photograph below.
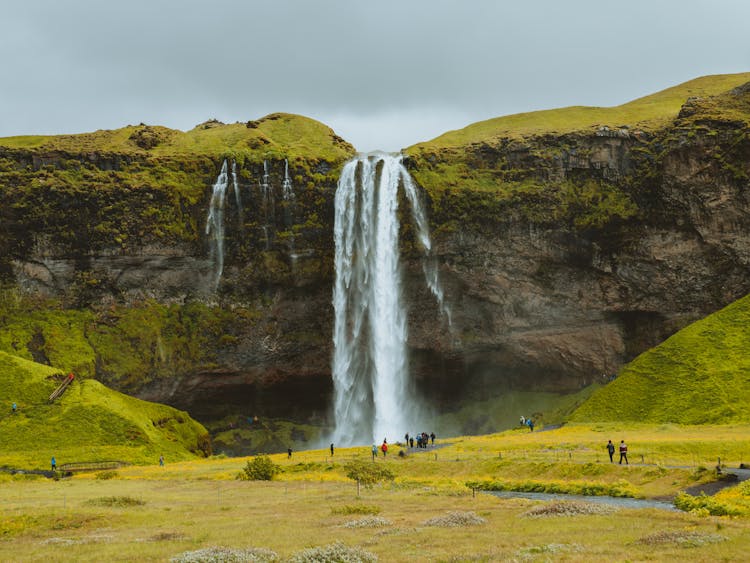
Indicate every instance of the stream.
{"type": "Point", "coordinates": [612, 501]}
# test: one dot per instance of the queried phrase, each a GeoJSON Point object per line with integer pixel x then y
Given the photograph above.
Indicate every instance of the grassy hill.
{"type": "Point", "coordinates": [90, 422]}
{"type": "Point", "coordinates": [647, 113]}
{"type": "Point", "coordinates": [277, 135]}
{"type": "Point", "coordinates": [701, 375]}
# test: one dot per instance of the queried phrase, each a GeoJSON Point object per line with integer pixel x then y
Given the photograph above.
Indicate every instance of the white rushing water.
{"type": "Point", "coordinates": [236, 186]}
{"type": "Point", "coordinates": [373, 395]}
{"type": "Point", "coordinates": [215, 224]}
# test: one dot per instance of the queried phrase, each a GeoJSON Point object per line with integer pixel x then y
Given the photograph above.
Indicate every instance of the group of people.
{"type": "Point", "coordinates": [623, 451]}
{"type": "Point", "coordinates": [423, 439]}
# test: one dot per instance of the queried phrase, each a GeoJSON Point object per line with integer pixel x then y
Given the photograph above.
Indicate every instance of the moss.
{"type": "Point", "coordinates": [697, 376]}
{"type": "Point", "coordinates": [89, 422]}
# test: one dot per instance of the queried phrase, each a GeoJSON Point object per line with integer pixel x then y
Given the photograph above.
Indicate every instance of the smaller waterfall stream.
{"type": "Point", "coordinates": [215, 224]}
{"type": "Point", "coordinates": [269, 204]}
{"type": "Point", "coordinates": [287, 193]}
{"type": "Point", "coordinates": [236, 186]}
{"type": "Point", "coordinates": [372, 388]}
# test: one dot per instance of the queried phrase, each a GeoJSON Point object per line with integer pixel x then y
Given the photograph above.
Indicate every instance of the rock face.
{"type": "Point", "coordinates": [589, 248]}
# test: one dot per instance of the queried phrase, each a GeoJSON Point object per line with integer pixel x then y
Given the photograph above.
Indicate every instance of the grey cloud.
{"type": "Point", "coordinates": [81, 65]}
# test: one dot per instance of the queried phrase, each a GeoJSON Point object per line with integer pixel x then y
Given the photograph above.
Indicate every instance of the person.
{"type": "Point", "coordinates": [331, 449]}
{"type": "Point", "coordinates": [384, 448]}
{"type": "Point", "coordinates": [610, 450]}
{"type": "Point", "coordinates": [374, 452]}
{"type": "Point", "coordinates": [531, 425]}
{"type": "Point", "coordinates": [406, 438]}
{"type": "Point", "coordinates": [53, 463]}
{"type": "Point", "coordinates": [161, 460]}
{"type": "Point", "coordinates": [432, 437]}
{"type": "Point", "coordinates": [623, 452]}
{"type": "Point", "coordinates": [14, 407]}
{"type": "Point", "coordinates": [411, 441]}
{"type": "Point", "coordinates": [523, 420]}
{"type": "Point", "coordinates": [289, 453]}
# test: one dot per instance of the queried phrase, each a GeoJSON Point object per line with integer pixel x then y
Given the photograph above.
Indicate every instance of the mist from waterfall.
{"type": "Point", "coordinates": [215, 224]}
{"type": "Point", "coordinates": [373, 394]}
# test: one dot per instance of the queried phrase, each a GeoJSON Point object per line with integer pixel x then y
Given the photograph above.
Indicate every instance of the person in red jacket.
{"type": "Point", "coordinates": [623, 452]}
{"type": "Point", "coordinates": [384, 448]}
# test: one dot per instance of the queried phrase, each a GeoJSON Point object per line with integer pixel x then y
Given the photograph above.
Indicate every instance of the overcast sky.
{"type": "Point", "coordinates": [383, 74]}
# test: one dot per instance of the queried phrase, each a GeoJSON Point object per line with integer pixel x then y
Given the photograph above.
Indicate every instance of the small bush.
{"type": "Point", "coordinates": [703, 504]}
{"type": "Point", "coordinates": [455, 520]}
{"type": "Point", "coordinates": [333, 553]}
{"type": "Point", "coordinates": [104, 475]}
{"type": "Point", "coordinates": [368, 522]}
{"type": "Point", "coordinates": [568, 508]}
{"type": "Point", "coordinates": [260, 468]}
{"type": "Point", "coordinates": [118, 502]}
{"type": "Point", "coordinates": [367, 474]}
{"type": "Point", "coordinates": [227, 555]}
{"type": "Point", "coordinates": [356, 509]}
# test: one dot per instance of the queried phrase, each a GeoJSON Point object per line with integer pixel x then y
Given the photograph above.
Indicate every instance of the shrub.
{"type": "Point", "coordinates": [455, 520]}
{"type": "Point", "coordinates": [333, 553]}
{"type": "Point", "coordinates": [227, 555]}
{"type": "Point", "coordinates": [702, 504]}
{"type": "Point", "coordinates": [118, 502]}
{"type": "Point", "coordinates": [260, 468]}
{"type": "Point", "coordinates": [104, 475]}
{"type": "Point", "coordinates": [367, 474]}
{"type": "Point", "coordinates": [356, 509]}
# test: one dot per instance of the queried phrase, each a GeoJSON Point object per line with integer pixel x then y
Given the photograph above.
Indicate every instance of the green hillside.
{"type": "Point", "coordinates": [701, 375]}
{"type": "Point", "coordinates": [90, 422]}
{"type": "Point", "coordinates": [647, 113]}
{"type": "Point", "coordinates": [279, 134]}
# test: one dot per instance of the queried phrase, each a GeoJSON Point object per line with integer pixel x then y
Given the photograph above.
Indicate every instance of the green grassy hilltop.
{"type": "Point", "coordinates": [90, 422]}
{"type": "Point", "coordinates": [701, 375]}
{"type": "Point", "coordinates": [647, 113]}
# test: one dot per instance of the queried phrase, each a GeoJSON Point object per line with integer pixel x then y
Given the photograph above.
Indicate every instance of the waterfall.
{"type": "Point", "coordinates": [372, 388]}
{"type": "Point", "coordinates": [215, 224]}
{"type": "Point", "coordinates": [286, 187]}
{"type": "Point", "coordinates": [287, 193]}
{"type": "Point", "coordinates": [269, 204]}
{"type": "Point", "coordinates": [237, 197]}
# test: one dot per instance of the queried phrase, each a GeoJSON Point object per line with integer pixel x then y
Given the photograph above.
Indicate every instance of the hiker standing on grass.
{"type": "Point", "coordinates": [161, 461]}
{"type": "Point", "coordinates": [610, 450]}
{"type": "Point", "coordinates": [289, 453]}
{"type": "Point", "coordinates": [331, 449]}
{"type": "Point", "coordinates": [374, 452]}
{"type": "Point", "coordinates": [384, 448]}
{"type": "Point", "coordinates": [53, 463]}
{"type": "Point", "coordinates": [432, 437]}
{"type": "Point", "coordinates": [623, 452]}
{"type": "Point", "coordinates": [14, 407]}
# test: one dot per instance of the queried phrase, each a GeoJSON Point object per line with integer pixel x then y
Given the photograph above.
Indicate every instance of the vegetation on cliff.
{"type": "Point", "coordinates": [649, 113]}
{"type": "Point", "coordinates": [697, 376]}
{"type": "Point", "coordinates": [146, 184]}
{"type": "Point", "coordinates": [579, 168]}
{"type": "Point", "coordinates": [89, 422]}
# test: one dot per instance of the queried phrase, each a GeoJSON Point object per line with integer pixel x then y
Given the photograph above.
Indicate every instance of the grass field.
{"type": "Point", "coordinates": [152, 513]}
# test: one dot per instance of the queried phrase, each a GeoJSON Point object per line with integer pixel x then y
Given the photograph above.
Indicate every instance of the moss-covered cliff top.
{"type": "Point", "coordinates": [647, 113]}
{"type": "Point", "coordinates": [698, 376]}
{"type": "Point", "coordinates": [279, 134]}
{"type": "Point", "coordinates": [89, 422]}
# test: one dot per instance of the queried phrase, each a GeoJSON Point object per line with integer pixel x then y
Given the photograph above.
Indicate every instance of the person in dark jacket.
{"type": "Point", "coordinates": [610, 450]}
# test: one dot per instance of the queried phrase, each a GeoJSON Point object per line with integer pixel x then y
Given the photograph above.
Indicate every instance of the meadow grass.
{"type": "Point", "coordinates": [192, 505]}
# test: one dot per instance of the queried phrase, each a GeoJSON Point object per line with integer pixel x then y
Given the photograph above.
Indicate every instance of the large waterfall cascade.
{"type": "Point", "coordinates": [373, 397]}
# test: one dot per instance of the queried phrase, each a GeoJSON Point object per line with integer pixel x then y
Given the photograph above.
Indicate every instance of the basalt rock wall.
{"type": "Point", "coordinates": [562, 257]}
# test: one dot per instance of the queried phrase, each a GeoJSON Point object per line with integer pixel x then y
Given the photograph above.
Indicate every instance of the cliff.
{"type": "Point", "coordinates": [569, 241]}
